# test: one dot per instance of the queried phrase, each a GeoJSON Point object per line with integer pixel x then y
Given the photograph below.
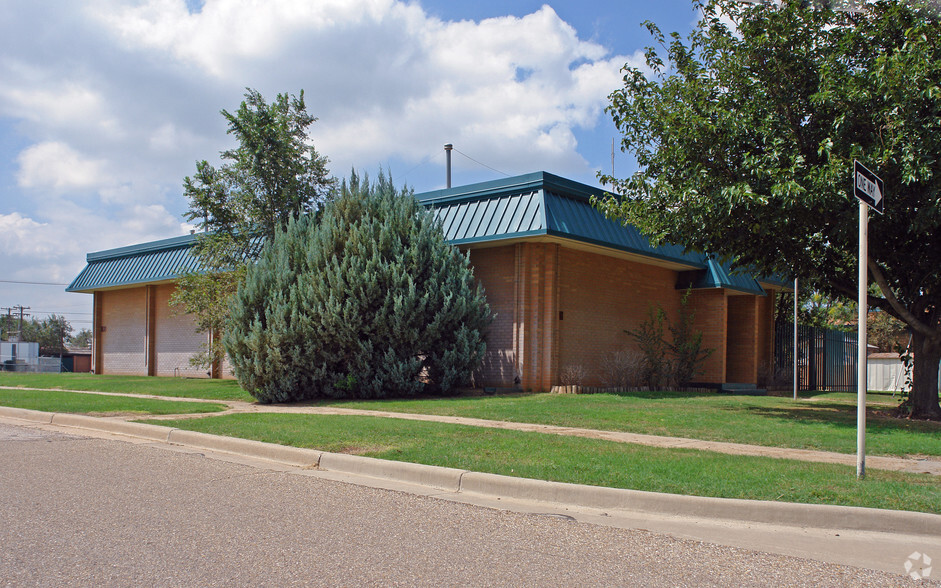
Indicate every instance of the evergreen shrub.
{"type": "Point", "coordinates": [364, 300]}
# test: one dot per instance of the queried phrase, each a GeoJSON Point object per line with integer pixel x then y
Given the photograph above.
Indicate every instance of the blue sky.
{"type": "Point", "coordinates": [105, 105]}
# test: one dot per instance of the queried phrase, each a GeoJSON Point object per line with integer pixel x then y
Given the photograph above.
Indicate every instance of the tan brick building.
{"type": "Point", "coordinates": [564, 282]}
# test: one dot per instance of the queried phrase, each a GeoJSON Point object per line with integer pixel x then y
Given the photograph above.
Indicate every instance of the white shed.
{"type": "Point", "coordinates": [884, 371]}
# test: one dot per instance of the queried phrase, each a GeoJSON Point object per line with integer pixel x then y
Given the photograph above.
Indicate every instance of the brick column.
{"type": "Point", "coordinates": [765, 332]}
{"type": "Point", "coordinates": [150, 330]}
{"type": "Point", "coordinates": [710, 308]}
{"type": "Point", "coordinates": [535, 333]}
{"type": "Point", "coordinates": [743, 339]}
{"type": "Point", "coordinates": [96, 357]}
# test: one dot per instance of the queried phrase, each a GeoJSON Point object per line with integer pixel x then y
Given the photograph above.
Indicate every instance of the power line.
{"type": "Point", "coordinates": [32, 283]}
{"type": "Point", "coordinates": [481, 163]}
{"type": "Point", "coordinates": [425, 160]}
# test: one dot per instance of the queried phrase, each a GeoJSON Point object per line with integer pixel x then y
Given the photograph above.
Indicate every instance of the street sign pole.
{"type": "Point", "coordinates": [870, 190]}
{"type": "Point", "coordinates": [861, 339]}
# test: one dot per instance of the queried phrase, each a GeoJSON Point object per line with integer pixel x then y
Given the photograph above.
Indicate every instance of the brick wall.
{"type": "Point", "coordinates": [142, 336]}
{"type": "Point", "coordinates": [710, 317]}
{"type": "Point", "coordinates": [765, 333]}
{"type": "Point", "coordinates": [123, 340]}
{"type": "Point", "coordinates": [557, 306]}
{"type": "Point", "coordinates": [536, 326]}
{"type": "Point", "coordinates": [521, 282]}
{"type": "Point", "coordinates": [495, 270]}
{"type": "Point", "coordinates": [600, 297]}
{"type": "Point", "coordinates": [553, 306]}
{"type": "Point", "coordinates": [742, 364]}
{"type": "Point", "coordinates": [176, 339]}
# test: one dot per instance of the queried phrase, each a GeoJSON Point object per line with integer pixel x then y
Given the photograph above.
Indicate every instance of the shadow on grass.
{"type": "Point", "coordinates": [843, 416]}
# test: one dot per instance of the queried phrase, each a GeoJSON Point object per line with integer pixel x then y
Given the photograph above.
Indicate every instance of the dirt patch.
{"type": "Point", "coordinates": [361, 449]}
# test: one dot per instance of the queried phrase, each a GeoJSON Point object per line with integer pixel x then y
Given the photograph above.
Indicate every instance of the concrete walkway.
{"type": "Point", "coordinates": [927, 465]}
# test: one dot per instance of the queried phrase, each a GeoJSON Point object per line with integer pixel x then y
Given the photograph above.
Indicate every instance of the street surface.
{"type": "Point", "coordinates": [83, 511]}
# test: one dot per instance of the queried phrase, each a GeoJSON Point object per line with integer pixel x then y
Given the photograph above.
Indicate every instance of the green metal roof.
{"type": "Point", "coordinates": [537, 204]}
{"type": "Point", "coordinates": [138, 264]}
{"type": "Point", "coordinates": [719, 276]}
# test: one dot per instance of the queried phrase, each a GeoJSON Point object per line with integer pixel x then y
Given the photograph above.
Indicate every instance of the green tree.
{"type": "Point", "coordinates": [369, 300]}
{"type": "Point", "coordinates": [272, 176]}
{"type": "Point", "coordinates": [51, 333]}
{"type": "Point", "coordinates": [82, 340]}
{"type": "Point", "coordinates": [745, 143]}
{"type": "Point", "coordinates": [887, 332]}
{"type": "Point", "coordinates": [817, 309]}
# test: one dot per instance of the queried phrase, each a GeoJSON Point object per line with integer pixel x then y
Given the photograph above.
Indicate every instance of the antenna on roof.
{"type": "Point", "coordinates": [447, 150]}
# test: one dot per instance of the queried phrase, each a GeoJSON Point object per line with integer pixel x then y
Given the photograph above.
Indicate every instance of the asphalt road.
{"type": "Point", "coordinates": [83, 511]}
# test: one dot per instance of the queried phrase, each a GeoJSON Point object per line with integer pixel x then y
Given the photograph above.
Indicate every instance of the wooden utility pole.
{"type": "Point", "coordinates": [21, 310]}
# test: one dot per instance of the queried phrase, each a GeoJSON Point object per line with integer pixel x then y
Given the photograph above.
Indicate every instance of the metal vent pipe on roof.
{"type": "Point", "coordinates": [447, 150]}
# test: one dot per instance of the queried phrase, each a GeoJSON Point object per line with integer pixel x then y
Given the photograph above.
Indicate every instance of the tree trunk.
{"type": "Point", "coordinates": [924, 395]}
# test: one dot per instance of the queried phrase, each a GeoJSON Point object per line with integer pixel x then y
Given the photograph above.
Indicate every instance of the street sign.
{"type": "Point", "coordinates": [868, 187]}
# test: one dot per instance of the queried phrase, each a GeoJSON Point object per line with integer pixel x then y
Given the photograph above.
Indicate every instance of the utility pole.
{"type": "Point", "coordinates": [20, 309]}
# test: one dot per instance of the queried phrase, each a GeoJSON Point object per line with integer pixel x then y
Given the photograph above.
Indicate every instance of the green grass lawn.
{"type": "Point", "coordinates": [99, 405]}
{"type": "Point", "coordinates": [174, 387]}
{"type": "Point", "coordinates": [583, 461]}
{"type": "Point", "coordinates": [825, 421]}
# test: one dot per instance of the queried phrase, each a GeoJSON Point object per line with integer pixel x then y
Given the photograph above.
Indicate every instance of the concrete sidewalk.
{"type": "Point", "coordinates": [927, 465]}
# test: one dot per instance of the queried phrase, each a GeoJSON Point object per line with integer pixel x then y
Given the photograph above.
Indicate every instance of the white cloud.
{"type": "Point", "coordinates": [23, 236]}
{"type": "Point", "coordinates": [57, 166]}
{"type": "Point", "coordinates": [117, 99]}
{"type": "Point", "coordinates": [148, 220]}
{"type": "Point", "coordinates": [387, 80]}
{"type": "Point", "coordinates": [47, 98]}
{"type": "Point", "coordinates": [224, 32]}
{"type": "Point", "coordinates": [170, 138]}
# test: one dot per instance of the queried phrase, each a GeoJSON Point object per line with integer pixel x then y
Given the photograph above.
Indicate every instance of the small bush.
{"type": "Point", "coordinates": [367, 301]}
{"type": "Point", "coordinates": [657, 371]}
{"type": "Point", "coordinates": [572, 375]}
{"type": "Point", "coordinates": [623, 368]}
{"type": "Point", "coordinates": [686, 346]}
{"type": "Point", "coordinates": [673, 362]}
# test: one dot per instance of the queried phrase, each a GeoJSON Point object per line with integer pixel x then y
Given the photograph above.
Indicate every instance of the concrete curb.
{"type": "Point", "coordinates": [294, 456]}
{"type": "Point", "coordinates": [141, 430]}
{"type": "Point", "coordinates": [822, 516]}
{"type": "Point", "coordinates": [411, 473]}
{"type": "Point", "coordinates": [35, 416]}
{"type": "Point", "coordinates": [467, 482]}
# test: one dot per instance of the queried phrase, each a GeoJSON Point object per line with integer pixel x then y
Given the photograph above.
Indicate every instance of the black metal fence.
{"type": "Point", "coordinates": [826, 358]}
